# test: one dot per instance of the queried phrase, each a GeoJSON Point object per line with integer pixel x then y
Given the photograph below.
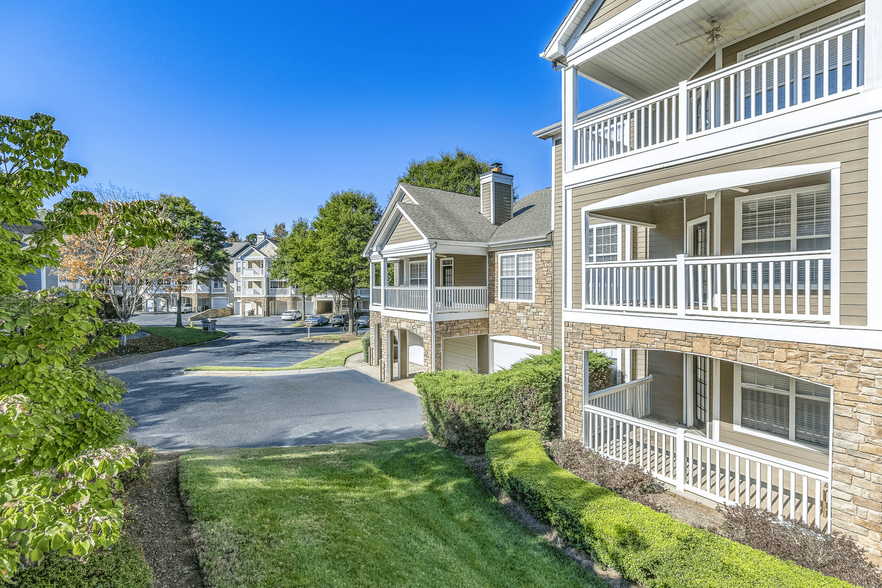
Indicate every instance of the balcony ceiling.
{"type": "Point", "coordinates": [649, 61]}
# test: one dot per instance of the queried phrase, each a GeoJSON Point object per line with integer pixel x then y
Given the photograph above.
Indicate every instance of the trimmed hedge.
{"type": "Point", "coordinates": [120, 566]}
{"type": "Point", "coordinates": [463, 409]}
{"type": "Point", "coordinates": [643, 545]}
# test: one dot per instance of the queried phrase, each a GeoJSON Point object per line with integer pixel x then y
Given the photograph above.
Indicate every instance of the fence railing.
{"type": "Point", "coordinates": [279, 291]}
{"type": "Point", "coordinates": [717, 471]}
{"type": "Point", "coordinates": [405, 298]}
{"type": "Point", "coordinates": [824, 65]}
{"type": "Point", "coordinates": [254, 291]}
{"type": "Point", "coordinates": [779, 286]}
{"type": "Point", "coordinates": [376, 295]}
{"type": "Point", "coordinates": [251, 272]}
{"type": "Point", "coordinates": [630, 399]}
{"type": "Point", "coordinates": [460, 299]}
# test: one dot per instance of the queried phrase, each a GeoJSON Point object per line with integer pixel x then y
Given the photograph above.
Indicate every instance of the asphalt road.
{"type": "Point", "coordinates": [177, 411]}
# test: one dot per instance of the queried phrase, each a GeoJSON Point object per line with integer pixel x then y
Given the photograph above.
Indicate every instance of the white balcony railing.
{"type": "Point", "coordinates": [376, 295]}
{"type": "Point", "coordinates": [826, 65]}
{"type": "Point", "coordinates": [279, 291]}
{"type": "Point", "coordinates": [404, 298]}
{"type": "Point", "coordinates": [631, 399]}
{"type": "Point", "coordinates": [781, 286]}
{"type": "Point", "coordinates": [253, 291]}
{"type": "Point", "coordinates": [717, 471]}
{"type": "Point", "coordinates": [188, 289]}
{"type": "Point", "coordinates": [201, 288]}
{"type": "Point", "coordinates": [252, 272]}
{"type": "Point", "coordinates": [461, 299]}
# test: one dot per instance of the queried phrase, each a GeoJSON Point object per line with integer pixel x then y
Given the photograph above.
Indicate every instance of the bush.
{"type": "Point", "coordinates": [834, 555]}
{"type": "Point", "coordinates": [463, 409]}
{"type": "Point", "coordinates": [138, 472]}
{"type": "Point", "coordinates": [119, 566]}
{"type": "Point", "coordinates": [643, 545]}
{"type": "Point", "coordinates": [366, 346]}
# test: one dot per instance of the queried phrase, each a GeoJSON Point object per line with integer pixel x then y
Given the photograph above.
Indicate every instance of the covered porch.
{"type": "Point", "coordinates": [727, 432]}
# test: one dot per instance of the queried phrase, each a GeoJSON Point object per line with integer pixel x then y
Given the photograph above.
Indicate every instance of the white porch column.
{"type": "Point", "coordinates": [570, 93]}
{"type": "Point", "coordinates": [384, 280]}
{"type": "Point", "coordinates": [872, 39]}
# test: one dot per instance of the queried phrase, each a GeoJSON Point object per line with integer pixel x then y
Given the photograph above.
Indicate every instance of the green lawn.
{"type": "Point", "coordinates": [386, 514]}
{"type": "Point", "coordinates": [184, 336]}
{"type": "Point", "coordinates": [335, 357]}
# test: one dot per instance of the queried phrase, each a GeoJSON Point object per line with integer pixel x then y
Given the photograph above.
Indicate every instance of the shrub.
{"type": "Point", "coordinates": [138, 472]}
{"type": "Point", "coordinates": [600, 371]}
{"type": "Point", "coordinates": [833, 555]}
{"type": "Point", "coordinates": [463, 409]}
{"type": "Point", "coordinates": [643, 545]}
{"type": "Point", "coordinates": [366, 346]}
{"type": "Point", "coordinates": [119, 566]}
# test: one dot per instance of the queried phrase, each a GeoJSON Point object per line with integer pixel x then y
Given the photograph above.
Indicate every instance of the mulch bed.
{"type": "Point", "coordinates": [160, 524]}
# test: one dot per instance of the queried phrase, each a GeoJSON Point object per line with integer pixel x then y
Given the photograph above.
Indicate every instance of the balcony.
{"type": "Point", "coordinates": [446, 300]}
{"type": "Point", "coordinates": [252, 272]}
{"type": "Point", "coordinates": [822, 67]}
{"type": "Point", "coordinates": [781, 287]}
{"type": "Point", "coordinates": [279, 291]}
{"type": "Point", "coordinates": [253, 292]}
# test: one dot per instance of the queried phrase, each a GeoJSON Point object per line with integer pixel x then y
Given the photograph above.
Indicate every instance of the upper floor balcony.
{"type": "Point", "coordinates": [814, 69]}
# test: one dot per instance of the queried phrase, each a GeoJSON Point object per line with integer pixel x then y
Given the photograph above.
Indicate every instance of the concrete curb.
{"type": "Point", "coordinates": [235, 374]}
{"type": "Point", "coordinates": [124, 361]}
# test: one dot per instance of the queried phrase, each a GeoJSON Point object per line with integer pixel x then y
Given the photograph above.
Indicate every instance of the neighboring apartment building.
{"type": "Point", "coordinates": [718, 244]}
{"type": "Point", "coordinates": [461, 282]}
{"type": "Point", "coordinates": [248, 287]}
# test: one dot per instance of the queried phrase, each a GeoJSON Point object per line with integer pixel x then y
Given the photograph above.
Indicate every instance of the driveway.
{"type": "Point", "coordinates": [178, 411]}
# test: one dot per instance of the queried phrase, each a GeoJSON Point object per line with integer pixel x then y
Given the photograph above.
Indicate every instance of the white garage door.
{"type": "Point", "coordinates": [237, 308]}
{"type": "Point", "coordinates": [415, 349]}
{"type": "Point", "coordinates": [507, 353]}
{"type": "Point", "coordinates": [460, 353]}
{"type": "Point", "coordinates": [219, 302]}
{"type": "Point", "coordinates": [279, 306]}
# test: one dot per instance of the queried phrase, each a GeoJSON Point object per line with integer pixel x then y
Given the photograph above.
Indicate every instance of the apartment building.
{"type": "Point", "coordinates": [461, 282]}
{"type": "Point", "coordinates": [248, 287]}
{"type": "Point", "coordinates": [717, 244]}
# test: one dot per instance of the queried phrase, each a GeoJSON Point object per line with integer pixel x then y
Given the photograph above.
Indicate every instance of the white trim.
{"type": "Point", "coordinates": [554, 186]}
{"type": "Point", "coordinates": [515, 254]}
{"type": "Point", "coordinates": [715, 426]}
{"type": "Point", "coordinates": [567, 274]}
{"type": "Point", "coordinates": [621, 221]}
{"type": "Point", "coordinates": [874, 219]}
{"type": "Point", "coordinates": [843, 336]}
{"type": "Point", "coordinates": [413, 224]}
{"type": "Point", "coordinates": [519, 244]}
{"type": "Point", "coordinates": [516, 341]}
{"type": "Point", "coordinates": [792, 192]}
{"type": "Point", "coordinates": [410, 264]}
{"type": "Point", "coordinates": [441, 264]}
{"type": "Point", "coordinates": [711, 183]}
{"type": "Point", "coordinates": [401, 249]}
{"type": "Point", "coordinates": [687, 246]}
{"type": "Point", "coordinates": [460, 316]}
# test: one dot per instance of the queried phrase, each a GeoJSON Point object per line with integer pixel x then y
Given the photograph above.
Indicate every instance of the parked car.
{"type": "Point", "coordinates": [292, 315]}
{"type": "Point", "coordinates": [316, 320]}
{"type": "Point", "coordinates": [339, 320]}
{"type": "Point", "coordinates": [184, 308]}
{"type": "Point", "coordinates": [363, 322]}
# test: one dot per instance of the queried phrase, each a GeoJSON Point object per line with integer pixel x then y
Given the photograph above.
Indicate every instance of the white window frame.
{"type": "Point", "coordinates": [793, 213]}
{"type": "Point", "coordinates": [499, 277]}
{"type": "Point", "coordinates": [410, 278]}
{"type": "Point", "coordinates": [797, 34]}
{"type": "Point", "coordinates": [213, 298]}
{"type": "Point", "coordinates": [791, 440]}
{"type": "Point", "coordinates": [238, 267]}
{"type": "Point", "coordinates": [447, 261]}
{"type": "Point", "coordinates": [593, 227]}
{"type": "Point", "coordinates": [238, 285]}
{"type": "Point", "coordinates": [215, 288]}
{"type": "Point", "coordinates": [687, 246]}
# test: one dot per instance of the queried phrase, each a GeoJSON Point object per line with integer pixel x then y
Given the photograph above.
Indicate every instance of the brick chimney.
{"type": "Point", "coordinates": [496, 195]}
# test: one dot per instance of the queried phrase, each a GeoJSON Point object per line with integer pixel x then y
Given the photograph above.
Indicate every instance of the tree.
{"type": "Point", "coordinates": [279, 231]}
{"type": "Point", "coordinates": [290, 261]}
{"type": "Point", "coordinates": [330, 254]}
{"type": "Point", "coordinates": [233, 237]}
{"type": "Point", "coordinates": [129, 266]}
{"type": "Point", "coordinates": [455, 172]}
{"type": "Point", "coordinates": [58, 451]}
{"type": "Point", "coordinates": [202, 236]}
{"type": "Point", "coordinates": [251, 238]}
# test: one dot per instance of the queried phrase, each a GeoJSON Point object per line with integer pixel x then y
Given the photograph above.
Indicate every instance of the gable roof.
{"type": "Point", "coordinates": [531, 219]}
{"type": "Point", "coordinates": [446, 216]}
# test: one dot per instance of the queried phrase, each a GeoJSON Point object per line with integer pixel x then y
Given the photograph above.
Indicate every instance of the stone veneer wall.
{"type": "Point", "coordinates": [421, 328]}
{"type": "Point", "coordinates": [530, 320]}
{"type": "Point", "coordinates": [261, 311]}
{"type": "Point", "coordinates": [212, 313]}
{"type": "Point", "coordinates": [856, 378]}
{"type": "Point", "coordinates": [460, 328]}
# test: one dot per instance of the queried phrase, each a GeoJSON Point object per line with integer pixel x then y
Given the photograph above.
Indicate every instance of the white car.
{"type": "Point", "coordinates": [184, 309]}
{"type": "Point", "coordinates": [292, 315]}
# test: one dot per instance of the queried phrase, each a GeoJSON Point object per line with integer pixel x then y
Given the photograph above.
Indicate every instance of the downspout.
{"type": "Point", "coordinates": [432, 299]}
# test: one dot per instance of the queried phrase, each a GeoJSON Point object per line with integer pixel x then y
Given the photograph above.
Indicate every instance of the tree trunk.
{"type": "Point", "coordinates": [351, 310]}
{"type": "Point", "coordinates": [178, 323]}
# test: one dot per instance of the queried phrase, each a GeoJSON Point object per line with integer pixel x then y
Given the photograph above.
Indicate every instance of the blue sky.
{"type": "Point", "coordinates": [258, 111]}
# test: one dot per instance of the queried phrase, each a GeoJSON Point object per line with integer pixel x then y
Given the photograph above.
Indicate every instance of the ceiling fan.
{"type": "Point", "coordinates": [718, 33]}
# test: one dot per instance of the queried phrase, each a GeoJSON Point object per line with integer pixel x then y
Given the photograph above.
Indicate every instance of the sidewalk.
{"type": "Point", "coordinates": [356, 362]}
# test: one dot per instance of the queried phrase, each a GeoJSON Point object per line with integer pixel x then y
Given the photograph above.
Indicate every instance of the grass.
{"type": "Point", "coordinates": [331, 337]}
{"type": "Point", "coordinates": [184, 336]}
{"type": "Point", "coordinates": [335, 357]}
{"type": "Point", "coordinates": [394, 513]}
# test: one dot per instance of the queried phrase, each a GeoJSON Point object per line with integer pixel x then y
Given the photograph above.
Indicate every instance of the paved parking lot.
{"type": "Point", "coordinates": [178, 411]}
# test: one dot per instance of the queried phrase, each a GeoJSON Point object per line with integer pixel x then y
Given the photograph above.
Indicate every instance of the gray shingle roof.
{"type": "Point", "coordinates": [447, 215]}
{"type": "Point", "coordinates": [531, 219]}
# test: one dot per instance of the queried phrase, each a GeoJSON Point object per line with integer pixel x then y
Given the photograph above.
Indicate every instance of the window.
{"type": "Point", "coordinates": [447, 272]}
{"type": "Point", "coordinates": [278, 284]}
{"type": "Point", "coordinates": [238, 285]}
{"type": "Point", "coordinates": [699, 387]}
{"type": "Point", "coordinates": [238, 267]}
{"type": "Point", "coordinates": [217, 284]}
{"type": "Point", "coordinates": [419, 274]}
{"type": "Point", "coordinates": [784, 222]}
{"type": "Point", "coordinates": [783, 407]}
{"type": "Point", "coordinates": [603, 243]}
{"type": "Point", "coordinates": [516, 276]}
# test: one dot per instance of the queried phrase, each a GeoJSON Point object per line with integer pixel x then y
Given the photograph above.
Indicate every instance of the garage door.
{"type": "Point", "coordinates": [237, 308]}
{"type": "Point", "coordinates": [219, 302]}
{"type": "Point", "coordinates": [508, 353]}
{"type": "Point", "coordinates": [460, 353]}
{"type": "Point", "coordinates": [415, 349]}
{"type": "Point", "coordinates": [279, 306]}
